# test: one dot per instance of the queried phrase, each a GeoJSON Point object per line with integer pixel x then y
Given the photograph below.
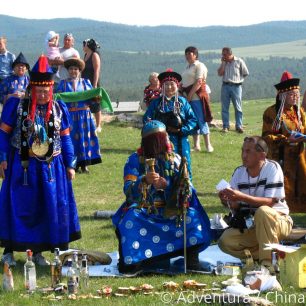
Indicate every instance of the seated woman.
{"type": "Point", "coordinates": [82, 129]}
{"type": "Point", "coordinates": [175, 112]}
{"type": "Point", "coordinates": [150, 223]}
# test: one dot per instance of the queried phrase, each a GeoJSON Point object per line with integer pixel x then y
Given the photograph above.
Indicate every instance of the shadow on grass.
{"type": "Point", "coordinates": [92, 218]}
{"type": "Point", "coordinates": [211, 210]}
{"type": "Point", "coordinates": [299, 220]}
{"type": "Point", "coordinates": [118, 151]}
{"type": "Point", "coordinates": [207, 194]}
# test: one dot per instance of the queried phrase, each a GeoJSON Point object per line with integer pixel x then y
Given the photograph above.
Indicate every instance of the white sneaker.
{"type": "Point", "coordinates": [98, 129]}
{"type": "Point", "coordinates": [210, 149]}
{"type": "Point", "coordinates": [40, 260]}
{"type": "Point", "coordinates": [9, 258]}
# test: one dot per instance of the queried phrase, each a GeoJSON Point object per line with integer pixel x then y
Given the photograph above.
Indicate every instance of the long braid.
{"type": "Point", "coordinates": [299, 112]}
{"type": "Point", "coordinates": [278, 119]}
{"type": "Point", "coordinates": [33, 103]}
{"type": "Point", "coordinates": [49, 108]}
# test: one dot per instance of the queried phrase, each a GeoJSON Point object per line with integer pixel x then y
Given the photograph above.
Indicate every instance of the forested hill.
{"type": "Point", "coordinates": [121, 37]}
{"type": "Point", "coordinates": [130, 53]}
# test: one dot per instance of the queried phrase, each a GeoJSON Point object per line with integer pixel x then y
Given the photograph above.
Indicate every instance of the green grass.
{"type": "Point", "coordinates": [102, 190]}
{"type": "Point", "coordinates": [291, 49]}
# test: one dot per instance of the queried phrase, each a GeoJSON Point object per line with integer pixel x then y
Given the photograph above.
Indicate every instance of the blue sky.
{"type": "Point", "coordinates": [195, 13]}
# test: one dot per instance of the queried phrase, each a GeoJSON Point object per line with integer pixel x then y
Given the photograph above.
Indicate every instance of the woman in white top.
{"type": "Point", "coordinates": [194, 89]}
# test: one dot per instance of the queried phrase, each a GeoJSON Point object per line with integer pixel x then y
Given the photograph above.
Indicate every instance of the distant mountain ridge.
{"type": "Point", "coordinates": [130, 53]}
{"type": "Point", "coordinates": [122, 37]}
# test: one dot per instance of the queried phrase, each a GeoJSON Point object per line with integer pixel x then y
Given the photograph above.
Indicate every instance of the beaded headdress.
{"type": "Point", "coordinates": [286, 84]}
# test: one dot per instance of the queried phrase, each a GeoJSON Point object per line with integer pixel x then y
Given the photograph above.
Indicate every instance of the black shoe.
{"type": "Point", "coordinates": [239, 130]}
{"type": "Point", "coordinates": [78, 170]}
{"type": "Point", "coordinates": [130, 269]}
{"type": "Point", "coordinates": [200, 268]}
{"type": "Point", "coordinates": [85, 169]}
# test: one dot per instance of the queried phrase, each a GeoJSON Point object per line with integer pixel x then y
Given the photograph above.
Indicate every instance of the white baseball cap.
{"type": "Point", "coordinates": [50, 35]}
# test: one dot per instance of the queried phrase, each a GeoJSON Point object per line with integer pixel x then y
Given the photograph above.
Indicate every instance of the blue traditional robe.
{"type": "Point", "coordinates": [13, 84]}
{"type": "Point", "coordinates": [39, 212]}
{"type": "Point", "coordinates": [145, 236]}
{"type": "Point", "coordinates": [82, 128]}
{"type": "Point", "coordinates": [189, 123]}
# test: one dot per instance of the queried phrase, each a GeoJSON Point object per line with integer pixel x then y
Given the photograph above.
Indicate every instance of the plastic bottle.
{"type": "Point", "coordinates": [56, 269]}
{"type": "Point", "coordinates": [275, 264]}
{"type": "Point", "coordinates": [29, 273]}
{"type": "Point", "coordinates": [72, 286]}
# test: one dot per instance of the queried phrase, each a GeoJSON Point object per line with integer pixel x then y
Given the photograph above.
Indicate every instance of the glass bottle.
{"type": "Point", "coordinates": [275, 264]}
{"type": "Point", "coordinates": [56, 269]}
{"type": "Point", "coordinates": [72, 286]}
{"type": "Point", "coordinates": [76, 266]}
{"type": "Point", "coordinates": [29, 273]}
{"type": "Point", "coordinates": [8, 281]}
{"type": "Point", "coordinates": [84, 275]}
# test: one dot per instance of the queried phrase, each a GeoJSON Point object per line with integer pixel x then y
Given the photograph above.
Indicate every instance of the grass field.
{"type": "Point", "coordinates": [291, 49]}
{"type": "Point", "coordinates": [102, 190]}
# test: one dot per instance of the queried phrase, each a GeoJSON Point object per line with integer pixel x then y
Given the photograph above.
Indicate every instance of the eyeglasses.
{"type": "Point", "coordinates": [42, 91]}
{"type": "Point", "coordinates": [85, 41]}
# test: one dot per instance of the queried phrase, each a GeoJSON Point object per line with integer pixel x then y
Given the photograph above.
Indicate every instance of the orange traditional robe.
{"type": "Point", "coordinates": [291, 156]}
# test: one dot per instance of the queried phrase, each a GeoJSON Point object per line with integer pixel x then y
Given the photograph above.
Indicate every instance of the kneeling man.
{"type": "Point", "coordinates": [256, 198]}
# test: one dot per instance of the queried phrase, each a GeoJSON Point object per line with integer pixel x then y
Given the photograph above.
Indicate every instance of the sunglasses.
{"type": "Point", "coordinates": [260, 144]}
{"type": "Point", "coordinates": [68, 35]}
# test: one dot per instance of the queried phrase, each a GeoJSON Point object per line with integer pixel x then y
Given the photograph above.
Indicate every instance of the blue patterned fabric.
{"type": "Point", "coordinates": [189, 124]}
{"type": "Point", "coordinates": [6, 61]}
{"type": "Point", "coordinates": [143, 235]}
{"type": "Point", "coordinates": [82, 128]}
{"type": "Point", "coordinates": [13, 84]}
{"type": "Point", "coordinates": [41, 215]}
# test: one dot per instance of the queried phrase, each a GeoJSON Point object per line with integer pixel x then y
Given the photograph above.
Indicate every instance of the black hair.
{"type": "Point", "coordinates": [192, 49]}
{"type": "Point", "coordinates": [91, 44]}
{"type": "Point", "coordinates": [227, 50]}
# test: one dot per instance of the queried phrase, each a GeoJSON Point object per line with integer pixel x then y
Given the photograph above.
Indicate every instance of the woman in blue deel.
{"type": "Point", "coordinates": [37, 205]}
{"type": "Point", "coordinates": [175, 112]}
{"type": "Point", "coordinates": [150, 223]}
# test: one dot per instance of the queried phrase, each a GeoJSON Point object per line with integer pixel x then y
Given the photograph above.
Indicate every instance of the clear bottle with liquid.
{"type": "Point", "coordinates": [275, 264]}
{"type": "Point", "coordinates": [84, 274]}
{"type": "Point", "coordinates": [72, 285]}
{"type": "Point", "coordinates": [56, 269]}
{"type": "Point", "coordinates": [76, 266]}
{"type": "Point", "coordinates": [30, 273]}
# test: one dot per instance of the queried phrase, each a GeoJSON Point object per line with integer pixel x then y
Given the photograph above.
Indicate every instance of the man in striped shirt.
{"type": "Point", "coordinates": [233, 71]}
{"type": "Point", "coordinates": [259, 185]}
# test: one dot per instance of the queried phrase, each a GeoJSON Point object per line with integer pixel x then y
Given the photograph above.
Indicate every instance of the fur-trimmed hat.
{"type": "Point", "coordinates": [287, 83]}
{"type": "Point", "coordinates": [20, 59]}
{"type": "Point", "coordinates": [41, 74]}
{"type": "Point", "coordinates": [74, 61]}
{"type": "Point", "coordinates": [169, 75]}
